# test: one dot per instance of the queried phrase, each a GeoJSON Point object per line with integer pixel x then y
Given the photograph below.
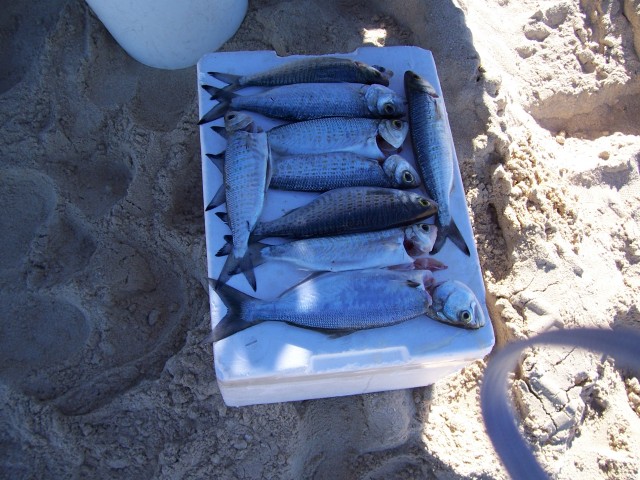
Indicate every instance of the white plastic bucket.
{"type": "Point", "coordinates": [170, 34]}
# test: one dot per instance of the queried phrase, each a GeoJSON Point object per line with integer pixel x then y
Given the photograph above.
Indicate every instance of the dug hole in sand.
{"type": "Point", "coordinates": [103, 273]}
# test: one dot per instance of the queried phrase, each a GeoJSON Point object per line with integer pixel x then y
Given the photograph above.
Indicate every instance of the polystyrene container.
{"type": "Point", "coordinates": [276, 362]}
{"type": "Point", "coordinates": [170, 34]}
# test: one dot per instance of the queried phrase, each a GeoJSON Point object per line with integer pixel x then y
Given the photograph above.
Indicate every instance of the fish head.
{"type": "Point", "coordinates": [384, 102]}
{"type": "Point", "coordinates": [400, 172]}
{"type": "Point", "coordinates": [419, 238]}
{"type": "Point", "coordinates": [454, 303]}
{"type": "Point", "coordinates": [393, 132]}
{"type": "Point", "coordinates": [423, 206]}
{"type": "Point", "coordinates": [415, 83]}
{"type": "Point", "coordinates": [375, 73]}
{"type": "Point", "coordinates": [236, 121]}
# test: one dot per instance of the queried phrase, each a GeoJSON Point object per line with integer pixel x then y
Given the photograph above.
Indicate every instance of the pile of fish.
{"type": "Point", "coordinates": [364, 238]}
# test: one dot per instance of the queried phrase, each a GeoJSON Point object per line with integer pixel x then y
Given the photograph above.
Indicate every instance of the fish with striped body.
{"type": "Point", "coordinates": [306, 101]}
{"type": "Point", "coordinates": [354, 300]}
{"type": "Point", "coordinates": [373, 138]}
{"type": "Point", "coordinates": [326, 171]}
{"type": "Point", "coordinates": [434, 154]}
{"type": "Point", "coordinates": [349, 210]}
{"type": "Point", "coordinates": [309, 70]}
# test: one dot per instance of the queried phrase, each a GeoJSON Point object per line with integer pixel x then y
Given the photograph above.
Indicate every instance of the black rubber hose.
{"type": "Point", "coordinates": [498, 414]}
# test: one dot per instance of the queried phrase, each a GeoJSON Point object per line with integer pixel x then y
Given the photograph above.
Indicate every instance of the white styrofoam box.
{"type": "Point", "coordinates": [276, 362]}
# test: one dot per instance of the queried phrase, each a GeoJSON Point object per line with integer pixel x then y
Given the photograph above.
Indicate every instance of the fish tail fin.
{"type": "Point", "coordinates": [233, 266]}
{"type": "Point", "coordinates": [219, 93]}
{"type": "Point", "coordinates": [217, 159]}
{"type": "Point", "coordinates": [255, 253]}
{"type": "Point", "coordinates": [218, 199]}
{"type": "Point", "coordinates": [216, 112]}
{"type": "Point", "coordinates": [220, 131]}
{"type": "Point", "coordinates": [232, 322]}
{"type": "Point", "coordinates": [231, 79]}
{"type": "Point", "coordinates": [451, 232]}
{"type": "Point", "coordinates": [226, 248]}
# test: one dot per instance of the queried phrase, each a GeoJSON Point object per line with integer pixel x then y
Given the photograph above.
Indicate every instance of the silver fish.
{"type": "Point", "coordinates": [324, 171]}
{"type": "Point", "coordinates": [396, 247]}
{"type": "Point", "coordinates": [350, 210]}
{"type": "Point", "coordinates": [310, 70]}
{"type": "Point", "coordinates": [354, 300]}
{"type": "Point", "coordinates": [434, 153]}
{"type": "Point", "coordinates": [455, 303]}
{"type": "Point", "coordinates": [344, 301]}
{"type": "Point", "coordinates": [306, 101]}
{"type": "Point", "coordinates": [246, 177]}
{"type": "Point", "coordinates": [367, 137]}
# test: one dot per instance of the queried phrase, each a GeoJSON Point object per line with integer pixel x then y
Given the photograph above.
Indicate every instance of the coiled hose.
{"type": "Point", "coordinates": [499, 417]}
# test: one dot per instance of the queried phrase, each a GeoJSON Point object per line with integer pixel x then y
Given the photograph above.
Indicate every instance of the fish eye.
{"type": "Point", "coordinates": [231, 116]}
{"type": "Point", "coordinates": [424, 202]}
{"type": "Point", "coordinates": [407, 177]}
{"type": "Point", "coordinates": [388, 108]}
{"type": "Point", "coordinates": [397, 124]}
{"type": "Point", "coordinates": [425, 227]}
{"type": "Point", "coordinates": [465, 316]}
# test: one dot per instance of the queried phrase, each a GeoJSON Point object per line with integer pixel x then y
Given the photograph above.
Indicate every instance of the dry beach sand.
{"type": "Point", "coordinates": [102, 269]}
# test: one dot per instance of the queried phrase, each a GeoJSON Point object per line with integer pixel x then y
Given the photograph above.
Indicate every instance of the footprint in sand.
{"type": "Point", "coordinates": [63, 250]}
{"type": "Point", "coordinates": [27, 201]}
{"type": "Point", "coordinates": [93, 184]}
{"type": "Point", "coordinates": [21, 41]}
{"type": "Point", "coordinates": [39, 337]}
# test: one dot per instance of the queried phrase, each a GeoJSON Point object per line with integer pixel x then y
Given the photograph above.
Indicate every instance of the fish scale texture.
{"type": "Point", "coordinates": [344, 252]}
{"type": "Point", "coordinates": [348, 210]}
{"type": "Point", "coordinates": [327, 171]}
{"type": "Point", "coordinates": [433, 149]}
{"type": "Point", "coordinates": [349, 300]}
{"type": "Point", "coordinates": [322, 135]}
{"type": "Point", "coordinates": [245, 175]}
{"type": "Point", "coordinates": [325, 70]}
{"type": "Point", "coordinates": [304, 101]}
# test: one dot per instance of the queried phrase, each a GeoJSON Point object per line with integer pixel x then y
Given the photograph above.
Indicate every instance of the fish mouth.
{"type": "Point", "coordinates": [385, 147]}
{"type": "Point", "coordinates": [413, 81]}
{"type": "Point", "coordinates": [385, 73]}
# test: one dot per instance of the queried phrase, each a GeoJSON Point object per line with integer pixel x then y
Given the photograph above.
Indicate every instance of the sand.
{"type": "Point", "coordinates": [102, 268]}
